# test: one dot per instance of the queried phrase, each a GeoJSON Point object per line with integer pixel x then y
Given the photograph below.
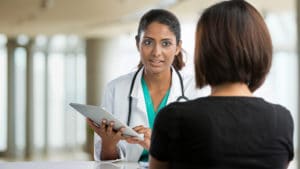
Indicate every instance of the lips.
{"type": "Point", "coordinates": [156, 62]}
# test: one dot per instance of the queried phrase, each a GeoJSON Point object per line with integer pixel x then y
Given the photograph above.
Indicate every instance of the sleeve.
{"type": "Point", "coordinates": [286, 130]}
{"type": "Point", "coordinates": [97, 148]}
{"type": "Point", "coordinates": [107, 100]}
{"type": "Point", "coordinates": [290, 138]}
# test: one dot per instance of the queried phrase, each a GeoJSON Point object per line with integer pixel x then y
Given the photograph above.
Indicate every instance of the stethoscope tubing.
{"type": "Point", "coordinates": [182, 97]}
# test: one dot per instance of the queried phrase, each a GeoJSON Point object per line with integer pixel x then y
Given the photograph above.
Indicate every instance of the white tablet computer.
{"type": "Point", "coordinates": [96, 113]}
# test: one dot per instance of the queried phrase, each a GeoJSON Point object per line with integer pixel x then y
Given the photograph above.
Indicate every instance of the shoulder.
{"type": "Point", "coordinates": [276, 113]}
{"type": "Point", "coordinates": [276, 108]}
{"type": "Point", "coordinates": [188, 107]}
{"type": "Point", "coordinates": [187, 78]}
{"type": "Point", "coordinates": [280, 108]}
{"type": "Point", "coordinates": [282, 112]}
{"type": "Point", "coordinates": [122, 80]}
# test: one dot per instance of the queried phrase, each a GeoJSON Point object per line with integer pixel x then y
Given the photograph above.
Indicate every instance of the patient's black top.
{"type": "Point", "coordinates": [223, 133]}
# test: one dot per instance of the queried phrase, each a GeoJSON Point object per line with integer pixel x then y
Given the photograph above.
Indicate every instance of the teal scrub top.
{"type": "Point", "coordinates": [150, 111]}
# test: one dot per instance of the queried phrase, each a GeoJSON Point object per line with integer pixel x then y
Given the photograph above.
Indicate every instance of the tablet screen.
{"type": "Point", "coordinates": [97, 114]}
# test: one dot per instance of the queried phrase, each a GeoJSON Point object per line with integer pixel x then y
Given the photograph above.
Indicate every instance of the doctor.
{"type": "Point", "coordinates": [137, 97]}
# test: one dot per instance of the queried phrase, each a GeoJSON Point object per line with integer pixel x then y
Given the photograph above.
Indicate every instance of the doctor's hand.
{"type": "Point", "coordinates": [108, 135]}
{"type": "Point", "coordinates": [109, 138]}
{"type": "Point", "coordinates": [147, 137]}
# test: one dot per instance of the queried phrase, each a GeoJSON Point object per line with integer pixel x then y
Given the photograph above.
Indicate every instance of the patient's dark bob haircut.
{"type": "Point", "coordinates": [232, 44]}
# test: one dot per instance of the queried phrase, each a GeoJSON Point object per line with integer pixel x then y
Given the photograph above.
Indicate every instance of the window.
{"type": "Point", "coordinates": [57, 78]}
{"type": "Point", "coordinates": [39, 94]}
{"type": "Point", "coordinates": [20, 97]}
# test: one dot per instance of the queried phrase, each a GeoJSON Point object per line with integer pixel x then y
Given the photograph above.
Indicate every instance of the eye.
{"type": "Point", "coordinates": [166, 43]}
{"type": "Point", "coordinates": [147, 42]}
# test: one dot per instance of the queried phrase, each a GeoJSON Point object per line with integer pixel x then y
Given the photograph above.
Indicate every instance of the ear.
{"type": "Point", "coordinates": [137, 41]}
{"type": "Point", "coordinates": [178, 47]}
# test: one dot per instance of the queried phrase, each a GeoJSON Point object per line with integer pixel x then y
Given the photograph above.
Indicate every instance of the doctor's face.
{"type": "Point", "coordinates": [157, 47]}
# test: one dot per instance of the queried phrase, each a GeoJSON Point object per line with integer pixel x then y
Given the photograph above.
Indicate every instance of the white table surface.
{"type": "Point", "coordinates": [68, 165]}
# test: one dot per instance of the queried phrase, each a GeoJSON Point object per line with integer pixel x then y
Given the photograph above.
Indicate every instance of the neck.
{"type": "Point", "coordinates": [159, 80]}
{"type": "Point", "coordinates": [231, 89]}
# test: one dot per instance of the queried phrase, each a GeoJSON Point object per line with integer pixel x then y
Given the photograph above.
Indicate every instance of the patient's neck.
{"type": "Point", "coordinates": [231, 89]}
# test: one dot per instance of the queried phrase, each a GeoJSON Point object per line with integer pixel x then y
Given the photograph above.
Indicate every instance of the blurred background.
{"type": "Point", "coordinates": [53, 52]}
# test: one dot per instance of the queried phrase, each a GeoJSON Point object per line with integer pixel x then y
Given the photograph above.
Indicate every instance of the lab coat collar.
{"type": "Point", "coordinates": [137, 91]}
{"type": "Point", "coordinates": [175, 90]}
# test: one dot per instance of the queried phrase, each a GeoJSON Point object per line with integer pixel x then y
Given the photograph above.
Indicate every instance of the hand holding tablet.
{"type": "Point", "coordinates": [97, 114]}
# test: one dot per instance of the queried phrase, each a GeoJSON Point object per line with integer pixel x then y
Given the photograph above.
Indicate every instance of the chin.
{"type": "Point", "coordinates": [157, 70]}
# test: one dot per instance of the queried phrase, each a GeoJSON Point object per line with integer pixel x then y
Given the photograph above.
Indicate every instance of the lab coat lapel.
{"type": "Point", "coordinates": [138, 117]}
{"type": "Point", "coordinates": [175, 90]}
{"type": "Point", "coordinates": [138, 99]}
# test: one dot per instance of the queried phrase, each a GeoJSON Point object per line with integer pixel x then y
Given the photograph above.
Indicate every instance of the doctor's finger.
{"type": "Point", "coordinates": [109, 128]}
{"type": "Point", "coordinates": [103, 124]}
{"type": "Point", "coordinates": [132, 140]}
{"type": "Point", "coordinates": [95, 127]}
{"type": "Point", "coordinates": [121, 130]}
{"type": "Point", "coordinates": [91, 124]}
{"type": "Point", "coordinates": [138, 127]}
{"type": "Point", "coordinates": [146, 132]}
{"type": "Point", "coordinates": [119, 134]}
{"type": "Point", "coordinates": [143, 130]}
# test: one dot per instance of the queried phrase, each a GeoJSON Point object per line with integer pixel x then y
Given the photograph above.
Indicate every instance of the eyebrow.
{"type": "Point", "coordinates": [147, 37]}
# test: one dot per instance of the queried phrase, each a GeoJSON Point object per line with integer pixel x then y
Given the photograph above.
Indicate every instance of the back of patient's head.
{"type": "Point", "coordinates": [232, 44]}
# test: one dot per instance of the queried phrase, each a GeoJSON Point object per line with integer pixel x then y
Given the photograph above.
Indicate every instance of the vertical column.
{"type": "Point", "coordinates": [46, 100]}
{"type": "Point", "coordinates": [94, 73]}
{"type": "Point", "coordinates": [11, 137]}
{"type": "Point", "coordinates": [29, 141]}
{"type": "Point", "coordinates": [102, 55]}
{"type": "Point", "coordinates": [99, 52]}
{"type": "Point", "coordinates": [298, 53]}
{"type": "Point", "coordinates": [93, 82]}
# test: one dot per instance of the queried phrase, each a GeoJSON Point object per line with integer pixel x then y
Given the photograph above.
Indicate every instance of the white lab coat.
{"type": "Point", "coordinates": [115, 100]}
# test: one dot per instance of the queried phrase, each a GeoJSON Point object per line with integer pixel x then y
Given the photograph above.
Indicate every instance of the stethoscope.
{"type": "Point", "coordinates": [180, 98]}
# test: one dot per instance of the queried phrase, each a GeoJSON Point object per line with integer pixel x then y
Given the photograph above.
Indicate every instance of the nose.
{"type": "Point", "coordinates": [157, 49]}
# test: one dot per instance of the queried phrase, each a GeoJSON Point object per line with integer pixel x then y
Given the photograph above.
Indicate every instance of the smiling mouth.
{"type": "Point", "coordinates": [156, 62]}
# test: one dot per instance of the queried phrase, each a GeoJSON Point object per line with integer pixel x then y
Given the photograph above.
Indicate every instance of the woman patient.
{"type": "Point", "coordinates": [231, 128]}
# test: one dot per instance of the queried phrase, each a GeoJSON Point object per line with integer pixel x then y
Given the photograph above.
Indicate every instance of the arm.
{"type": "Point", "coordinates": [115, 101]}
{"type": "Point", "coordinates": [156, 164]}
{"type": "Point", "coordinates": [106, 140]}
